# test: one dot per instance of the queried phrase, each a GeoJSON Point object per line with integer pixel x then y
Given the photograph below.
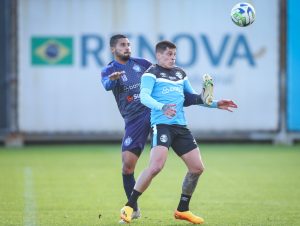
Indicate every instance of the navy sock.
{"type": "Point", "coordinates": [128, 183]}
{"type": "Point", "coordinates": [184, 203]}
{"type": "Point", "coordinates": [132, 201]}
{"type": "Point", "coordinates": [192, 99]}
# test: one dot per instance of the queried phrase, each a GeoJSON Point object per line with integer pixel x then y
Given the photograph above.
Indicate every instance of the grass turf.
{"type": "Point", "coordinates": [73, 185]}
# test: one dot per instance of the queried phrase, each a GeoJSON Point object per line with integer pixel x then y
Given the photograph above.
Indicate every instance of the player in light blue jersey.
{"type": "Point", "coordinates": [122, 76]}
{"type": "Point", "coordinates": [162, 89]}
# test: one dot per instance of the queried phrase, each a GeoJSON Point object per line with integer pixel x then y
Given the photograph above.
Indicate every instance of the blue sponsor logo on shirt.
{"type": "Point", "coordinates": [171, 89]}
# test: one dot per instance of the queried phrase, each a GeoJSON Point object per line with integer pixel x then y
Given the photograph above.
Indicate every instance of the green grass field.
{"type": "Point", "coordinates": [72, 184]}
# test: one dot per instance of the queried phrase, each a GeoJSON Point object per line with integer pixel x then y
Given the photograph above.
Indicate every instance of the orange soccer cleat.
{"type": "Point", "coordinates": [188, 216]}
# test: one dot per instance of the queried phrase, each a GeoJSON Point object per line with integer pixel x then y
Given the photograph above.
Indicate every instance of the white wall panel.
{"type": "Point", "coordinates": [70, 98]}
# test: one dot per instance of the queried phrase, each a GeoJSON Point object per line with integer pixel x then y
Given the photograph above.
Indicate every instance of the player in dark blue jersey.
{"type": "Point", "coordinates": [123, 77]}
{"type": "Point", "coordinates": [162, 89]}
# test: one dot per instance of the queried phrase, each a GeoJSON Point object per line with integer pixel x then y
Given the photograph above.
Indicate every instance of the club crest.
{"type": "Point", "coordinates": [127, 141]}
{"type": "Point", "coordinates": [163, 138]}
{"type": "Point", "coordinates": [137, 68]}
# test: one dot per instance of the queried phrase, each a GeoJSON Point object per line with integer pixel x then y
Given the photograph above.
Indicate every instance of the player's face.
{"type": "Point", "coordinates": [167, 58]}
{"type": "Point", "coordinates": [122, 50]}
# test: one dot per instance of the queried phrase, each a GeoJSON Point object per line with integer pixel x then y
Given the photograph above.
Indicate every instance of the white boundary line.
{"type": "Point", "coordinates": [29, 199]}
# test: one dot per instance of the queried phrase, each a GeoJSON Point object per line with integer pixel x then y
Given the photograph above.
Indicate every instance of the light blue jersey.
{"type": "Point", "coordinates": [160, 86]}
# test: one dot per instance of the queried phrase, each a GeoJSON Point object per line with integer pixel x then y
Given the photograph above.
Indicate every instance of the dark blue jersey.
{"type": "Point", "coordinates": [126, 89]}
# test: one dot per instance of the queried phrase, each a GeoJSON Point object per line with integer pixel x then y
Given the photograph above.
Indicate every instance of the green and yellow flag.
{"type": "Point", "coordinates": [51, 51]}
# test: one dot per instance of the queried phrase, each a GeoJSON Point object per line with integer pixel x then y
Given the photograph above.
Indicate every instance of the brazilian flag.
{"type": "Point", "coordinates": [52, 51]}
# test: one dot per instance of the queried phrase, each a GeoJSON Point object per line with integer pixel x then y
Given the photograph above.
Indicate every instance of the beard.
{"type": "Point", "coordinates": [124, 56]}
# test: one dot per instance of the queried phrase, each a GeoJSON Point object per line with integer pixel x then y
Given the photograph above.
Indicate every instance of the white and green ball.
{"type": "Point", "coordinates": [243, 14]}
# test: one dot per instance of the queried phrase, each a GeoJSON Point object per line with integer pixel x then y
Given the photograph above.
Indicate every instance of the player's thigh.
{"type": "Point", "coordinates": [158, 157]}
{"type": "Point", "coordinates": [161, 139]}
{"type": "Point", "coordinates": [193, 161]}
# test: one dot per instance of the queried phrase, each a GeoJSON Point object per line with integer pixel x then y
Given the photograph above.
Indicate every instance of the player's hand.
{"type": "Point", "coordinates": [169, 110]}
{"type": "Point", "coordinates": [116, 75]}
{"type": "Point", "coordinates": [226, 105]}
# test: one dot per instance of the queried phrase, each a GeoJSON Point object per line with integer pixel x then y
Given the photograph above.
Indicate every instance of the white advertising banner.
{"type": "Point", "coordinates": [63, 45]}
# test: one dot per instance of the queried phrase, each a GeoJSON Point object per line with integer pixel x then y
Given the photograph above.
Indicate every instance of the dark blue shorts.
{"type": "Point", "coordinates": [136, 134]}
{"type": "Point", "coordinates": [175, 136]}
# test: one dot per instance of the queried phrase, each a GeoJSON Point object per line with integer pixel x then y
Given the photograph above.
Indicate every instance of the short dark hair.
{"type": "Point", "coordinates": [114, 39]}
{"type": "Point", "coordinates": [163, 45]}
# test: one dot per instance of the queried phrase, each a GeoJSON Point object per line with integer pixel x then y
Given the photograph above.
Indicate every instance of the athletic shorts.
{"type": "Point", "coordinates": [177, 136]}
{"type": "Point", "coordinates": [136, 134]}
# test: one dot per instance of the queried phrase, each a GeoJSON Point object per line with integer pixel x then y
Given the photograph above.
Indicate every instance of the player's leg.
{"type": "Point", "coordinates": [129, 160]}
{"type": "Point", "coordinates": [134, 140]}
{"type": "Point", "coordinates": [208, 89]}
{"type": "Point", "coordinates": [192, 99]}
{"type": "Point", "coordinates": [157, 160]}
{"type": "Point", "coordinates": [158, 156]}
{"type": "Point", "coordinates": [161, 138]}
{"type": "Point", "coordinates": [206, 96]}
{"type": "Point", "coordinates": [186, 147]}
{"type": "Point", "coordinates": [195, 167]}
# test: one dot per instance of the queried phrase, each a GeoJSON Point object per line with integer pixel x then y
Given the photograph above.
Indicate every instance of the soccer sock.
{"type": "Point", "coordinates": [128, 183]}
{"type": "Point", "coordinates": [192, 99]}
{"type": "Point", "coordinates": [184, 203]}
{"type": "Point", "coordinates": [132, 201]}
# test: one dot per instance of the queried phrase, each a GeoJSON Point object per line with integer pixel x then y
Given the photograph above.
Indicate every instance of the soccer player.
{"type": "Point", "coordinates": [123, 77]}
{"type": "Point", "coordinates": [162, 89]}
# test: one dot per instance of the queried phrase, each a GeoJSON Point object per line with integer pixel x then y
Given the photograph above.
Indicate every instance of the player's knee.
{"type": "Point", "coordinates": [154, 170]}
{"type": "Point", "coordinates": [127, 168]}
{"type": "Point", "coordinates": [127, 171]}
{"type": "Point", "coordinates": [198, 170]}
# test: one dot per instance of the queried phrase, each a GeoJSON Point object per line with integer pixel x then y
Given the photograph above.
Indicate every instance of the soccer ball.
{"type": "Point", "coordinates": [243, 14]}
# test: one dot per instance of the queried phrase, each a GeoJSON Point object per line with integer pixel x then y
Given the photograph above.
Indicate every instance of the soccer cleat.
{"type": "Point", "coordinates": [188, 216]}
{"type": "Point", "coordinates": [208, 89]}
{"type": "Point", "coordinates": [136, 214]}
{"type": "Point", "coordinates": [126, 214]}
